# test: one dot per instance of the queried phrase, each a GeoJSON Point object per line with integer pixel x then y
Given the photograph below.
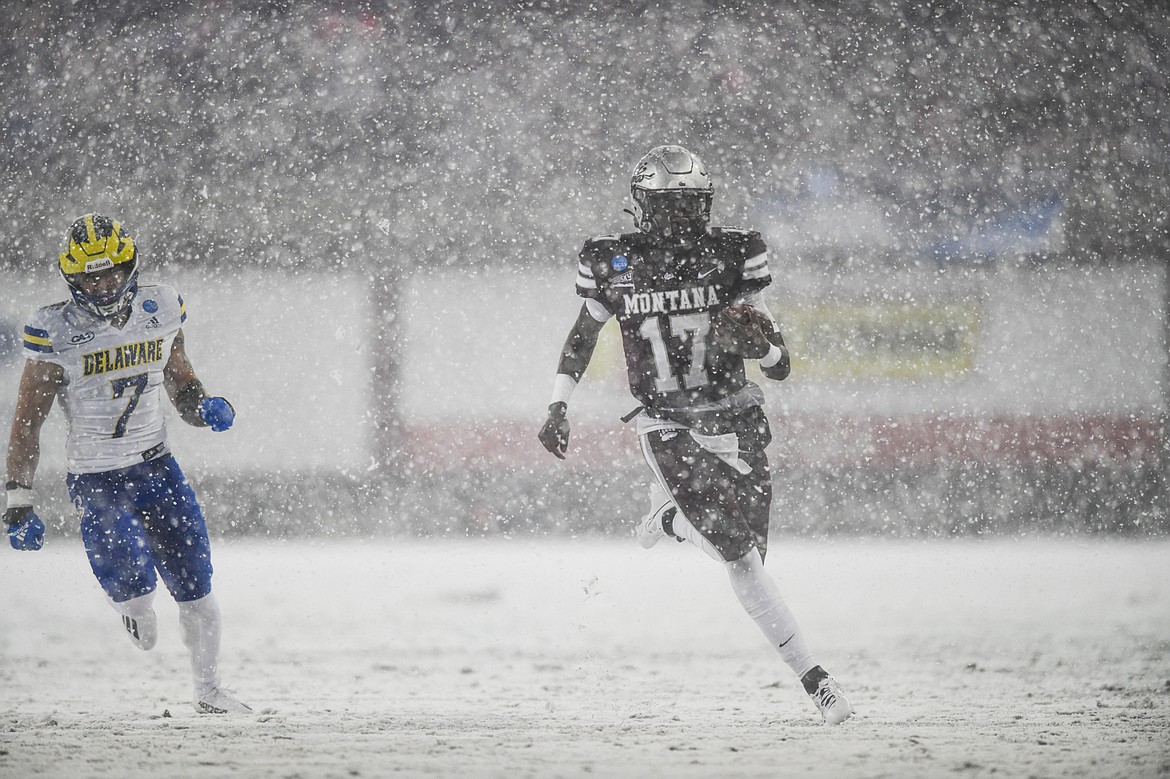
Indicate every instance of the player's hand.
{"type": "Point", "coordinates": [555, 433]}
{"type": "Point", "coordinates": [217, 413]}
{"type": "Point", "coordinates": [26, 531]}
{"type": "Point", "coordinates": [743, 330]}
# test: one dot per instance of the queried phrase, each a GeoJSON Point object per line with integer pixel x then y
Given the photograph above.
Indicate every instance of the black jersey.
{"type": "Point", "coordinates": [665, 301]}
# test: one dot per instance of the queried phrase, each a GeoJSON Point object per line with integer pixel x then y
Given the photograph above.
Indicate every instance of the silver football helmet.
{"type": "Point", "coordinates": [672, 195]}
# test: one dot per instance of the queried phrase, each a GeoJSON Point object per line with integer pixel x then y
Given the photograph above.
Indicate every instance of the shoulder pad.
{"type": "Point", "coordinates": [37, 338]}
{"type": "Point", "coordinates": [734, 231]}
{"type": "Point", "coordinates": [163, 288]}
{"type": "Point", "coordinates": [166, 299]}
{"type": "Point", "coordinates": [45, 313]}
{"type": "Point", "coordinates": [744, 243]}
{"type": "Point", "coordinates": [604, 248]}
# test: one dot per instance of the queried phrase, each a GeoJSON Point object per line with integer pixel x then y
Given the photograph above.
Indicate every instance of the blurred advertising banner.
{"type": "Point", "coordinates": [884, 340]}
{"type": "Point", "coordinates": [976, 363]}
{"type": "Point", "coordinates": [930, 399]}
{"type": "Point", "coordinates": [988, 363]}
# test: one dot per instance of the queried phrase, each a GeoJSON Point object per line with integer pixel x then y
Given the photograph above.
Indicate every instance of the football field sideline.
{"type": "Point", "coordinates": [591, 657]}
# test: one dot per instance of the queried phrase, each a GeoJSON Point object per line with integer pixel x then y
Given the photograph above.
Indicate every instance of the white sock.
{"type": "Point", "coordinates": [139, 619]}
{"type": "Point", "coordinates": [688, 532]}
{"type": "Point", "coordinates": [199, 620]}
{"type": "Point", "coordinates": [760, 598]}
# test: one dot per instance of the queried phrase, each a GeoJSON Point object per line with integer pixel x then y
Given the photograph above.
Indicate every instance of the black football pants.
{"type": "Point", "coordinates": [729, 509]}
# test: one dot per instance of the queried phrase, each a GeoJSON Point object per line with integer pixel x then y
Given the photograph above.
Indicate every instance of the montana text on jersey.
{"type": "Point", "coordinates": [665, 300]}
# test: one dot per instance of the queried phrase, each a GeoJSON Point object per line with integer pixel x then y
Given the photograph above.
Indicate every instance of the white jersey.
{"type": "Point", "coordinates": [113, 391]}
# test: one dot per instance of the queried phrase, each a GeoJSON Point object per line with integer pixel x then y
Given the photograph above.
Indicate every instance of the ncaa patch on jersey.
{"type": "Point", "coordinates": [149, 306]}
{"type": "Point", "coordinates": [619, 263]}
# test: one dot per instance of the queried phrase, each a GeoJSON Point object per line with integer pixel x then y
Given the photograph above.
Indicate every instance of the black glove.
{"type": "Point", "coordinates": [554, 436]}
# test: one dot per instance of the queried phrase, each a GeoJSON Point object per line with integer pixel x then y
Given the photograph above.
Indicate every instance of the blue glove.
{"type": "Point", "coordinates": [26, 532]}
{"type": "Point", "coordinates": [217, 413]}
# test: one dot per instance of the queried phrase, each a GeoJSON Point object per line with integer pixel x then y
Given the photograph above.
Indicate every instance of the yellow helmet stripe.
{"type": "Point", "coordinates": [113, 249]}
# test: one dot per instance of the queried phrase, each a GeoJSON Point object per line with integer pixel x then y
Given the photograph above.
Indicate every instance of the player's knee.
{"type": "Point", "coordinates": [125, 585]}
{"type": "Point", "coordinates": [199, 611]}
{"type": "Point", "coordinates": [192, 589]}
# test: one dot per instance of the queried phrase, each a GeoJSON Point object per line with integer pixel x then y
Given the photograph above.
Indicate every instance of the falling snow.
{"type": "Point", "coordinates": [373, 212]}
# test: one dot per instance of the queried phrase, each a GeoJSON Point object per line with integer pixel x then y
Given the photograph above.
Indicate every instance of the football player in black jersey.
{"type": "Point", "coordinates": [687, 297]}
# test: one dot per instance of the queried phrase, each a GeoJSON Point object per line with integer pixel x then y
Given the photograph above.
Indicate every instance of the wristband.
{"type": "Point", "coordinates": [772, 357]}
{"type": "Point", "coordinates": [563, 386]}
{"type": "Point", "coordinates": [19, 496]}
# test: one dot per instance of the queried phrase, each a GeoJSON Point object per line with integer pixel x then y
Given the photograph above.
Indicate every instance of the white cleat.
{"type": "Point", "coordinates": [142, 629]}
{"type": "Point", "coordinates": [220, 701]}
{"type": "Point", "coordinates": [831, 702]}
{"type": "Point", "coordinates": [649, 531]}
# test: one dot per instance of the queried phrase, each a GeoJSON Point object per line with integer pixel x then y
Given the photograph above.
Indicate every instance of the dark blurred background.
{"type": "Point", "coordinates": [384, 140]}
{"type": "Point", "coordinates": [275, 133]}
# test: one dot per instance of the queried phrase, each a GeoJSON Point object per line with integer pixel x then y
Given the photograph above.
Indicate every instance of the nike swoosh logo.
{"type": "Point", "coordinates": [704, 275]}
{"type": "Point", "coordinates": [781, 646]}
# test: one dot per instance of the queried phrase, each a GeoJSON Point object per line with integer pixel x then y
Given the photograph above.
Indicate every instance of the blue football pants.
{"type": "Point", "coordinates": [139, 520]}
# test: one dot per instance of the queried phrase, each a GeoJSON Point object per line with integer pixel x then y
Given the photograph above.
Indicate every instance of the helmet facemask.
{"type": "Point", "coordinates": [678, 216]}
{"type": "Point", "coordinates": [106, 305]}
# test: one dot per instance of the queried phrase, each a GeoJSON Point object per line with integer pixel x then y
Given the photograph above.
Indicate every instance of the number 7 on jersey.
{"type": "Point", "coordinates": [139, 381]}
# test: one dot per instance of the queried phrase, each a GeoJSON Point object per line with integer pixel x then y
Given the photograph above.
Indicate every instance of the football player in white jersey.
{"type": "Point", "coordinates": [108, 354]}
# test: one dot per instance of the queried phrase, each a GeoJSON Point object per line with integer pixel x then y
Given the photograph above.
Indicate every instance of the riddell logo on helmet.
{"type": "Point", "coordinates": [99, 264]}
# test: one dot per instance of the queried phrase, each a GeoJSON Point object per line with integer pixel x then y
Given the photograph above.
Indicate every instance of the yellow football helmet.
{"type": "Point", "coordinates": [97, 243]}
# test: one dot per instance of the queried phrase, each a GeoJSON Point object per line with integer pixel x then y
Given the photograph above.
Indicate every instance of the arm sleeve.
{"type": "Point", "coordinates": [756, 273]}
{"type": "Point", "coordinates": [586, 283]}
{"type": "Point", "coordinates": [594, 255]}
{"type": "Point", "coordinates": [37, 340]}
{"type": "Point", "coordinates": [173, 306]}
{"type": "Point", "coordinates": [578, 348]}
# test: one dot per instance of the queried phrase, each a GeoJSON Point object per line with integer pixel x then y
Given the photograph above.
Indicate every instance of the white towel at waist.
{"type": "Point", "coordinates": [725, 447]}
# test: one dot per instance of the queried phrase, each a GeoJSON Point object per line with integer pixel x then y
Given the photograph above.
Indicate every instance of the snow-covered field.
{"type": "Point", "coordinates": [539, 658]}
